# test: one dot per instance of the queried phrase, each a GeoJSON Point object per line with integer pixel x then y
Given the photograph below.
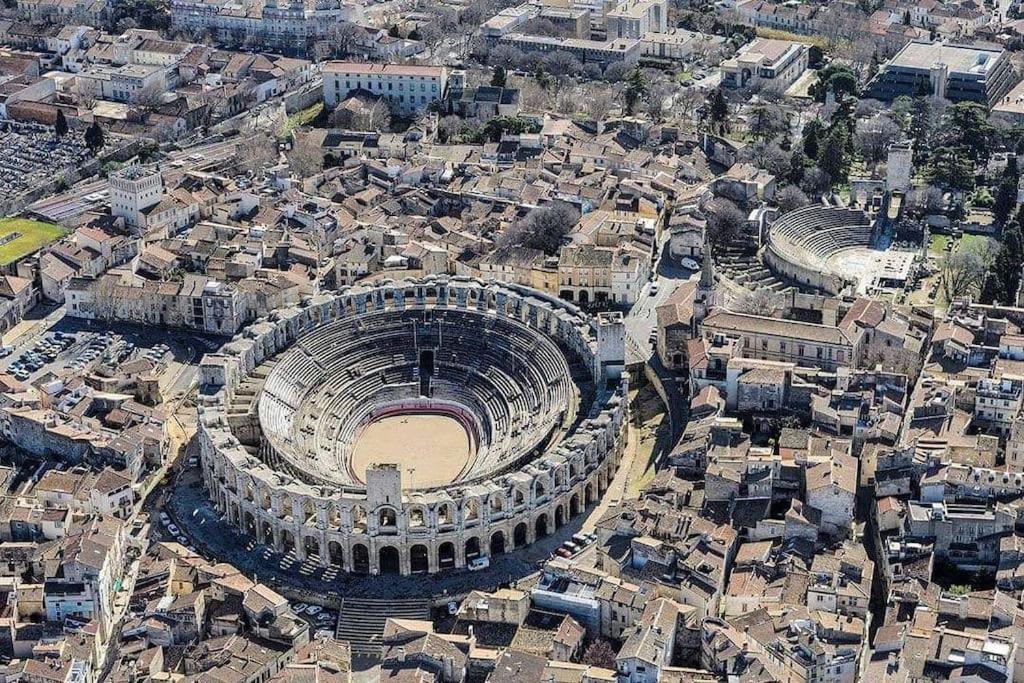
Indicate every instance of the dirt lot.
{"type": "Point", "coordinates": [430, 450]}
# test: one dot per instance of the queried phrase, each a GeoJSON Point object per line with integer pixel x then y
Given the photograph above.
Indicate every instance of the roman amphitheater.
{"type": "Point", "coordinates": [825, 249]}
{"type": "Point", "coordinates": [410, 427]}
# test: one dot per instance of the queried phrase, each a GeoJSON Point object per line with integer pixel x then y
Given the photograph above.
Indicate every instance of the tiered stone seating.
{"type": "Point", "coordinates": [324, 388]}
{"type": "Point", "coordinates": [814, 233]}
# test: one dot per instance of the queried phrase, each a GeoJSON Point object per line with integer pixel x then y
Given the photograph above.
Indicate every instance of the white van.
{"type": "Point", "coordinates": [478, 563]}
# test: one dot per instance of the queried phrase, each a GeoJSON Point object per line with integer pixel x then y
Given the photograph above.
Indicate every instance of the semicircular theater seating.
{"type": "Point", "coordinates": [801, 243]}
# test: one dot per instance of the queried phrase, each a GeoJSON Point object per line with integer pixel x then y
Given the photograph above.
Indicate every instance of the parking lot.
{"type": "Point", "coordinates": [68, 347]}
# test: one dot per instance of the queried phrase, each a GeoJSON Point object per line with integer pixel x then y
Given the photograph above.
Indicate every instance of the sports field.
{"type": "Point", "coordinates": [20, 237]}
{"type": "Point", "coordinates": [430, 450]}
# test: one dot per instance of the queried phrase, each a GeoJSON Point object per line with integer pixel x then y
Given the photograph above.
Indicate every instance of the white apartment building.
{"type": "Point", "coordinates": [634, 18]}
{"type": "Point", "coordinates": [408, 88]}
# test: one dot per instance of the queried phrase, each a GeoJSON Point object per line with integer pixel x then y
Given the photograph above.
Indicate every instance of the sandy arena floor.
{"type": "Point", "coordinates": [431, 450]}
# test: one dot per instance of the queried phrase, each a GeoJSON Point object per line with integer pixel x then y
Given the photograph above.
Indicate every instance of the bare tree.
{"type": "Point", "coordinates": [544, 228]}
{"type": "Point", "coordinates": [791, 198]}
{"type": "Point", "coordinates": [306, 158]}
{"type": "Point", "coordinates": [598, 101]}
{"type": "Point", "coordinates": [149, 98]}
{"type": "Point", "coordinates": [725, 222]}
{"type": "Point", "coordinates": [960, 274]}
{"type": "Point", "coordinates": [255, 151]}
{"type": "Point", "coordinates": [874, 135]}
{"type": "Point", "coordinates": [757, 302]}
{"type": "Point", "coordinates": [923, 201]}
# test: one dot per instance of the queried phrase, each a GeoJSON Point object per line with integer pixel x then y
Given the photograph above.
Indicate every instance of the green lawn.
{"type": "Point", "coordinates": [938, 243]}
{"type": "Point", "coordinates": [32, 235]}
{"type": "Point", "coordinates": [975, 243]}
{"type": "Point", "coordinates": [302, 118]}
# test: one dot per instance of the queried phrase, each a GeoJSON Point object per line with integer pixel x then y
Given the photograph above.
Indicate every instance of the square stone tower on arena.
{"type": "Point", "coordinates": [384, 485]}
{"type": "Point", "coordinates": [610, 360]}
{"type": "Point", "coordinates": [899, 166]}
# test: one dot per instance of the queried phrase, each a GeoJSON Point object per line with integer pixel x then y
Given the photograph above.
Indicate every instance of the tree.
{"type": "Point", "coordinates": [635, 90]}
{"type": "Point", "coordinates": [797, 167]}
{"type": "Point", "coordinates": [951, 168]}
{"type": "Point", "coordinates": [816, 182]}
{"type": "Point", "coordinates": [837, 78]}
{"type": "Point", "coordinates": [561, 63]}
{"type": "Point", "coordinates": [617, 71]}
{"type": "Point", "coordinates": [966, 125]}
{"type": "Point", "coordinates": [544, 228]}
{"type": "Point", "coordinates": [61, 124]}
{"type": "Point", "coordinates": [149, 98]}
{"type": "Point", "coordinates": [757, 302]}
{"type": "Point", "coordinates": [791, 198]}
{"type": "Point", "coordinates": [254, 152]}
{"type": "Point", "coordinates": [833, 159]}
{"type": "Point", "coordinates": [725, 222]}
{"type": "Point", "coordinates": [600, 653]}
{"type": "Point", "coordinates": [959, 274]}
{"type": "Point", "coordinates": [719, 110]}
{"type": "Point", "coordinates": [815, 57]}
{"type": "Point", "coordinates": [505, 56]}
{"type": "Point", "coordinates": [94, 137]}
{"type": "Point", "coordinates": [872, 137]}
{"type": "Point", "coordinates": [1005, 198]}
{"type": "Point", "coordinates": [306, 158]}
{"type": "Point", "coordinates": [767, 155]}
{"type": "Point", "coordinates": [924, 201]}
{"type": "Point", "coordinates": [767, 121]}
{"type": "Point", "coordinates": [1003, 276]}
{"type": "Point", "coordinates": [813, 132]}
{"type": "Point", "coordinates": [498, 78]}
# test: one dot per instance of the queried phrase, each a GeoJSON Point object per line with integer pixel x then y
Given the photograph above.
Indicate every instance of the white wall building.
{"type": "Point", "coordinates": [408, 88]}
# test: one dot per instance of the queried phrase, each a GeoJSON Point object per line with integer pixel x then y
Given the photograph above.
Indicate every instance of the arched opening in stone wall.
{"type": "Point", "coordinates": [337, 554]}
{"type": "Point", "coordinates": [446, 555]}
{"type": "Point", "coordinates": [541, 526]}
{"type": "Point", "coordinates": [419, 559]}
{"type": "Point", "coordinates": [497, 543]}
{"type": "Point", "coordinates": [390, 562]}
{"type": "Point", "coordinates": [359, 519]}
{"type": "Point", "coordinates": [287, 541]}
{"type": "Point", "coordinates": [519, 535]}
{"type": "Point", "coordinates": [574, 505]}
{"type": "Point", "coordinates": [360, 559]}
{"type": "Point", "coordinates": [472, 548]}
{"type": "Point", "coordinates": [312, 547]}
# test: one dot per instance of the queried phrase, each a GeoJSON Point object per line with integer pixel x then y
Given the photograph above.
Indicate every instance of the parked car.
{"type": "Point", "coordinates": [313, 610]}
{"type": "Point", "coordinates": [689, 263]}
{"type": "Point", "coordinates": [173, 529]}
{"type": "Point", "coordinates": [653, 290]}
{"type": "Point", "coordinates": [478, 563]}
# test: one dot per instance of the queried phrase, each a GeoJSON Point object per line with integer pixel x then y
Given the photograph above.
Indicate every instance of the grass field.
{"type": "Point", "coordinates": [938, 243]}
{"type": "Point", "coordinates": [302, 118]}
{"type": "Point", "coordinates": [779, 34]}
{"type": "Point", "coordinates": [32, 235]}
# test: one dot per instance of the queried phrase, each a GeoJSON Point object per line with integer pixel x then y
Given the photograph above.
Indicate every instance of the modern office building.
{"type": "Point", "coordinates": [958, 73]}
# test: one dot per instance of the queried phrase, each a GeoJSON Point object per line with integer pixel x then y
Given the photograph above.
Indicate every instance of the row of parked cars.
{"type": "Point", "coordinates": [42, 352]}
{"type": "Point", "coordinates": [314, 613]}
{"type": "Point", "coordinates": [576, 544]}
{"type": "Point", "coordinates": [174, 531]}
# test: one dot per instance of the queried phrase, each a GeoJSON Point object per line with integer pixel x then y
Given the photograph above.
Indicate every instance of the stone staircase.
{"type": "Point", "coordinates": [361, 621]}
